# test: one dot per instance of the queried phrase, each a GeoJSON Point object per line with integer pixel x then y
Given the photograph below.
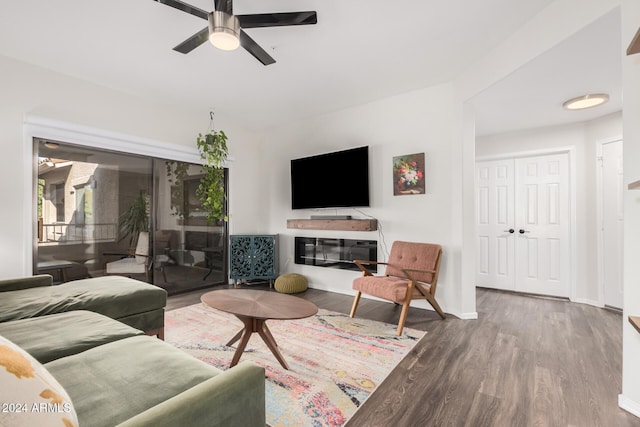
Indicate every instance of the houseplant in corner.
{"type": "Point", "coordinates": [211, 190]}
{"type": "Point", "coordinates": [135, 219]}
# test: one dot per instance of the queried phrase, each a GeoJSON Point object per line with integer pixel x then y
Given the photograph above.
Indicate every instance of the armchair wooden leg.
{"type": "Point", "coordinates": [355, 304]}
{"type": "Point", "coordinates": [431, 300]}
{"type": "Point", "coordinates": [403, 316]}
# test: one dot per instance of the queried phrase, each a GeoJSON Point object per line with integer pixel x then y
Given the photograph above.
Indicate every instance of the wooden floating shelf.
{"type": "Point", "coordinates": [634, 46]}
{"type": "Point", "coordinates": [334, 224]}
{"type": "Point", "coordinates": [635, 321]}
{"type": "Point", "coordinates": [635, 185]}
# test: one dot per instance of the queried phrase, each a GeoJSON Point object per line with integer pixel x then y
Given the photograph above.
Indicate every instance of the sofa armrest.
{"type": "Point", "coordinates": [236, 397]}
{"type": "Point", "coordinates": [20, 283]}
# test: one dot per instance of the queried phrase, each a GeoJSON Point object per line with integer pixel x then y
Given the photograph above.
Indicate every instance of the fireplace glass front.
{"type": "Point", "coordinates": [335, 253]}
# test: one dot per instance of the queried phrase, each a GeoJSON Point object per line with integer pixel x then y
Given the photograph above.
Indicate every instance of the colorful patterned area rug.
{"type": "Point", "coordinates": [335, 362]}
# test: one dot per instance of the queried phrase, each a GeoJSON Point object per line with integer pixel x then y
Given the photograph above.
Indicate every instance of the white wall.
{"type": "Point", "coordinates": [370, 124]}
{"type": "Point", "coordinates": [630, 397]}
{"type": "Point", "coordinates": [582, 139]}
{"type": "Point", "coordinates": [551, 26]}
{"type": "Point", "coordinates": [32, 91]}
{"type": "Point", "coordinates": [540, 139]}
{"type": "Point", "coordinates": [558, 21]}
{"type": "Point", "coordinates": [419, 121]}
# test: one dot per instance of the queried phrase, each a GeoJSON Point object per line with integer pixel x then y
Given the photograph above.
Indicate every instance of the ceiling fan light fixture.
{"type": "Point", "coordinates": [585, 101]}
{"type": "Point", "coordinates": [224, 30]}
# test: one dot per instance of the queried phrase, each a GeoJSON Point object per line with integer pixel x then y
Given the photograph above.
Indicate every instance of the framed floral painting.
{"type": "Point", "coordinates": [408, 174]}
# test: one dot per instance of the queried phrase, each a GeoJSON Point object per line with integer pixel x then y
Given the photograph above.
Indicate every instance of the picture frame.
{"type": "Point", "coordinates": [409, 174]}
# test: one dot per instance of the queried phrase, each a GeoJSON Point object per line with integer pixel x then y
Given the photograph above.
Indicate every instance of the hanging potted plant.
{"type": "Point", "coordinates": [211, 190]}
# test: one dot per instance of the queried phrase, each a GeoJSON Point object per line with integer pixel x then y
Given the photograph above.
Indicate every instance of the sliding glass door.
{"type": "Point", "coordinates": [103, 213]}
{"type": "Point", "coordinates": [190, 252]}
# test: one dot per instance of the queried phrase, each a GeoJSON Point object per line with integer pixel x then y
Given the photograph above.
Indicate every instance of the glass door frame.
{"type": "Point", "coordinates": [39, 127]}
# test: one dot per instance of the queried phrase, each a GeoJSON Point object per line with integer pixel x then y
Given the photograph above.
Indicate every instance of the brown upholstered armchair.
{"type": "Point", "coordinates": [411, 273]}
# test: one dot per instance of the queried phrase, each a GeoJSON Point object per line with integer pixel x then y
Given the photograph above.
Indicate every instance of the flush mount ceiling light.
{"type": "Point", "coordinates": [586, 101]}
{"type": "Point", "coordinates": [52, 145]}
{"type": "Point", "coordinates": [224, 30]}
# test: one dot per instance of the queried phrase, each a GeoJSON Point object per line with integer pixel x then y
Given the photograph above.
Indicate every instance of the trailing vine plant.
{"type": "Point", "coordinates": [176, 173]}
{"type": "Point", "coordinates": [211, 190]}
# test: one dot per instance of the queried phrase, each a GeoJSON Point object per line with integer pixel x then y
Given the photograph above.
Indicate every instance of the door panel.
{"type": "Point", "coordinates": [483, 255]}
{"type": "Point", "coordinates": [554, 259]}
{"type": "Point", "coordinates": [494, 219]}
{"type": "Point", "coordinates": [544, 217]}
{"type": "Point", "coordinates": [612, 223]}
{"type": "Point", "coordinates": [502, 261]}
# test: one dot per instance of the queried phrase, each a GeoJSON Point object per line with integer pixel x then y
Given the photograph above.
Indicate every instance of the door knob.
{"type": "Point", "coordinates": [511, 230]}
{"type": "Point", "coordinates": [521, 231]}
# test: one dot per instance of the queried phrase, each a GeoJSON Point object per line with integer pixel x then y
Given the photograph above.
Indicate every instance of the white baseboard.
{"type": "Point", "coordinates": [629, 405]}
{"type": "Point", "coordinates": [469, 316]}
{"type": "Point", "coordinates": [587, 301]}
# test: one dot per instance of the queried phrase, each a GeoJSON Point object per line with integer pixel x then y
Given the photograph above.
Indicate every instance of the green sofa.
{"type": "Point", "coordinates": [132, 302]}
{"type": "Point", "coordinates": [116, 376]}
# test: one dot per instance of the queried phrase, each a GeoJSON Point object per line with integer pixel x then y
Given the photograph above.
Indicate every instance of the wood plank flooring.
{"type": "Point", "coordinates": [527, 361]}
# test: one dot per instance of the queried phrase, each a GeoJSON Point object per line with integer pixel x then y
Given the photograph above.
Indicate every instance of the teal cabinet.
{"type": "Point", "coordinates": [253, 256]}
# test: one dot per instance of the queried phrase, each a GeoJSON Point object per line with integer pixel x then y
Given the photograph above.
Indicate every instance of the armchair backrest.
{"type": "Point", "coordinates": [419, 256]}
{"type": "Point", "coordinates": [142, 247]}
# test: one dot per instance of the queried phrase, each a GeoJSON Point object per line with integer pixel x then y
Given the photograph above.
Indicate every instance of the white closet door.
{"type": "Point", "coordinates": [523, 224]}
{"type": "Point", "coordinates": [495, 224]}
{"type": "Point", "coordinates": [612, 223]}
{"type": "Point", "coordinates": [542, 225]}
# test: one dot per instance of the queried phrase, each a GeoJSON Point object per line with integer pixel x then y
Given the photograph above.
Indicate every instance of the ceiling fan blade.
{"type": "Point", "coordinates": [177, 4]}
{"type": "Point", "coordinates": [193, 42]}
{"type": "Point", "coordinates": [254, 49]}
{"type": "Point", "coordinates": [224, 6]}
{"type": "Point", "coordinates": [277, 19]}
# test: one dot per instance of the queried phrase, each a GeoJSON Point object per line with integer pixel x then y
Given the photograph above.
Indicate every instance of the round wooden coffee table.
{"type": "Point", "coordinates": [254, 308]}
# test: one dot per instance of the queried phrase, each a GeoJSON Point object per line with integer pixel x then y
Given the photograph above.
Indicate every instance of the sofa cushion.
{"type": "Point", "coordinates": [148, 321]}
{"type": "Point", "coordinates": [113, 382]}
{"type": "Point", "coordinates": [18, 283]}
{"type": "Point", "coordinates": [51, 337]}
{"type": "Point", "coordinates": [113, 296]}
{"type": "Point", "coordinates": [30, 396]}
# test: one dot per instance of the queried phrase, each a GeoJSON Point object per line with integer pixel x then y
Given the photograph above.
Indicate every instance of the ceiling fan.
{"type": "Point", "coordinates": [225, 30]}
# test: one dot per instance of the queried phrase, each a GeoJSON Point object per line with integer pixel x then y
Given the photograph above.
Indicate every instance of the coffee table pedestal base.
{"type": "Point", "coordinates": [252, 325]}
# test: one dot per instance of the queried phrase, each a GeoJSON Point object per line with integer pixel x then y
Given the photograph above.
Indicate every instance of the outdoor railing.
{"type": "Point", "coordinates": [77, 233]}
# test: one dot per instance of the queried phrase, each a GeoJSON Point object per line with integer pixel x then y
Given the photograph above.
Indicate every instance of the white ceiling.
{"type": "Point", "coordinates": [360, 51]}
{"type": "Point", "coordinates": [586, 63]}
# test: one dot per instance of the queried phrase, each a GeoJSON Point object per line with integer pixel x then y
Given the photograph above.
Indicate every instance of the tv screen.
{"type": "Point", "coordinates": [332, 180]}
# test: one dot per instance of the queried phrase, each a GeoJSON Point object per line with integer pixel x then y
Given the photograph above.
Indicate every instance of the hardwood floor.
{"type": "Point", "coordinates": [526, 361]}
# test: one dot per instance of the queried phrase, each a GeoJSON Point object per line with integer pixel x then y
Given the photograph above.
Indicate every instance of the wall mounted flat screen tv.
{"type": "Point", "coordinates": [332, 180]}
